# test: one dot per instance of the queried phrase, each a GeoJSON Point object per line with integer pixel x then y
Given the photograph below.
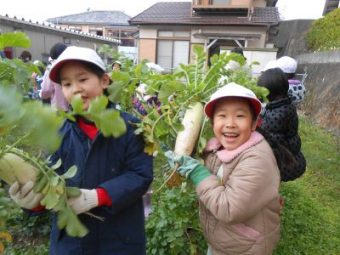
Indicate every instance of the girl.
{"type": "Point", "coordinates": [281, 121]}
{"type": "Point", "coordinates": [113, 173]}
{"type": "Point", "coordinates": [238, 188]}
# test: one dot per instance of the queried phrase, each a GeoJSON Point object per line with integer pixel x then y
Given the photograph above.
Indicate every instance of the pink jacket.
{"type": "Point", "coordinates": [50, 89]}
{"type": "Point", "coordinates": [240, 210]}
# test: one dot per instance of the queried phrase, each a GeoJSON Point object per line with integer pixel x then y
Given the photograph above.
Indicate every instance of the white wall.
{"type": "Point", "coordinates": [263, 56]}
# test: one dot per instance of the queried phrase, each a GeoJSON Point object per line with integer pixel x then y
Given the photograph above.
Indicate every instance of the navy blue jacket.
{"type": "Point", "coordinates": [120, 166]}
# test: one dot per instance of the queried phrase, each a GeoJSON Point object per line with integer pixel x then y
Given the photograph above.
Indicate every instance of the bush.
{"type": "Point", "coordinates": [325, 33]}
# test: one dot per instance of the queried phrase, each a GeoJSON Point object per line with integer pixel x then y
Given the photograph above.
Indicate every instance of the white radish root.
{"type": "Point", "coordinates": [14, 168]}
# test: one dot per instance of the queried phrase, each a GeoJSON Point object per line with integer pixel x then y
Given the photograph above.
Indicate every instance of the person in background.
{"type": "Point", "coordinates": [296, 89]}
{"type": "Point", "coordinates": [37, 79]}
{"type": "Point", "coordinates": [25, 56]}
{"type": "Point", "coordinates": [280, 120]}
{"type": "Point", "coordinates": [113, 173]}
{"type": "Point", "coordinates": [51, 90]}
{"type": "Point", "coordinates": [234, 65]}
{"type": "Point", "coordinates": [238, 186]}
{"type": "Point", "coordinates": [116, 66]}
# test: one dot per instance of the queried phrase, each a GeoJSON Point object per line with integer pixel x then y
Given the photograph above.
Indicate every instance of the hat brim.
{"type": "Point", "coordinates": [55, 70]}
{"type": "Point", "coordinates": [210, 106]}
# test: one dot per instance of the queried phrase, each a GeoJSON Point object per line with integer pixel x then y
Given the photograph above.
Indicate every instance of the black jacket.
{"type": "Point", "coordinates": [280, 119]}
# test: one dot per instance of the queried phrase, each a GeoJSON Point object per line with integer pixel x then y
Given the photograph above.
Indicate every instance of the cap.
{"type": "Point", "coordinates": [287, 64]}
{"type": "Point", "coordinates": [117, 62]}
{"type": "Point", "coordinates": [75, 53]}
{"type": "Point", "coordinates": [232, 90]}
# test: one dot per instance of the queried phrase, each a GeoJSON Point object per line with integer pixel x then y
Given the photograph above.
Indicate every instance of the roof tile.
{"type": "Point", "coordinates": [180, 13]}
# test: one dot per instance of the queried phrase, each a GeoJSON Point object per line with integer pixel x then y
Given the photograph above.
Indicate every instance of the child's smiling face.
{"type": "Point", "coordinates": [233, 122]}
{"type": "Point", "coordinates": [78, 80]}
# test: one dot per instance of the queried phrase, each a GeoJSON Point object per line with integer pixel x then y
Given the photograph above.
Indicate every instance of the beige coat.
{"type": "Point", "coordinates": [240, 214]}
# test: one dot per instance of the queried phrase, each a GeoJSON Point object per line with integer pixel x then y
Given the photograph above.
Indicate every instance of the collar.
{"type": "Point", "coordinates": [226, 156]}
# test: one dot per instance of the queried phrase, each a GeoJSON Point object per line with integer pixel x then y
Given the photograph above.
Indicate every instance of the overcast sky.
{"type": "Point", "coordinates": [40, 10]}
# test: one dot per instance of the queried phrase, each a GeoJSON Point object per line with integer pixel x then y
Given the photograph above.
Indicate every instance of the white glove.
{"type": "Point", "coordinates": [24, 196]}
{"type": "Point", "coordinates": [87, 200]}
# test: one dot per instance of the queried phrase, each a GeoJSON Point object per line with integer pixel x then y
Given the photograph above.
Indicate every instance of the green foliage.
{"type": "Point", "coordinates": [14, 39]}
{"type": "Point", "coordinates": [108, 120]}
{"type": "Point", "coordinates": [173, 227]}
{"type": "Point", "coordinates": [311, 215]}
{"type": "Point", "coordinates": [176, 92]}
{"type": "Point", "coordinates": [325, 33]}
{"type": "Point", "coordinates": [106, 51]}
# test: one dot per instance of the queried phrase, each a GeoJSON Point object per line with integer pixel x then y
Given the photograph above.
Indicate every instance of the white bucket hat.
{"type": "Point", "coordinates": [287, 64]}
{"type": "Point", "coordinates": [75, 53]}
{"type": "Point", "coordinates": [232, 90]}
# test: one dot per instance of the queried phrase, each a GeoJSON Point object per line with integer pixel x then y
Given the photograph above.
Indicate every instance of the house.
{"type": "Point", "coordinates": [112, 24]}
{"type": "Point", "coordinates": [169, 30]}
{"type": "Point", "coordinates": [43, 36]}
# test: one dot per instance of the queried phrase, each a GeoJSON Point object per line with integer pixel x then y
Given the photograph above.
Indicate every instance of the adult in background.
{"type": "Point", "coordinates": [50, 89]}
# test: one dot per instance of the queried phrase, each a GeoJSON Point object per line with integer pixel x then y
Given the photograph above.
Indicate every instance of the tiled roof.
{"type": "Point", "coordinates": [22, 23]}
{"type": "Point", "coordinates": [179, 13]}
{"type": "Point", "coordinates": [94, 17]}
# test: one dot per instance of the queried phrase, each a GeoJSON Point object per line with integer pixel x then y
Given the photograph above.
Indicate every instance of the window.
{"type": "Point", "coordinates": [221, 1]}
{"type": "Point", "coordinates": [173, 50]}
{"type": "Point", "coordinates": [172, 53]}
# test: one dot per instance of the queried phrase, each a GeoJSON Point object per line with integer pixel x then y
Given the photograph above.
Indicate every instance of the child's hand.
{"type": "Point", "coordinates": [185, 164]}
{"type": "Point", "coordinates": [24, 196]}
{"type": "Point", "coordinates": [188, 167]}
{"type": "Point", "coordinates": [87, 200]}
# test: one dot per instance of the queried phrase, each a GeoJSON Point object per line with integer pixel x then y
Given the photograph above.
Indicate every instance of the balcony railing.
{"type": "Point", "coordinates": [222, 4]}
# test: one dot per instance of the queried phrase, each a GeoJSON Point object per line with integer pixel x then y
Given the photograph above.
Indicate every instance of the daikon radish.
{"type": "Point", "coordinates": [14, 168]}
{"type": "Point", "coordinates": [187, 138]}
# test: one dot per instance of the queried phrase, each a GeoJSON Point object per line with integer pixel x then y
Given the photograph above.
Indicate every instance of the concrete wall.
{"type": "Point", "coordinates": [322, 100]}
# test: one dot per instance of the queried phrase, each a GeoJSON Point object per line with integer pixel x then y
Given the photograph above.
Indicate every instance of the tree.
{"type": "Point", "coordinates": [325, 33]}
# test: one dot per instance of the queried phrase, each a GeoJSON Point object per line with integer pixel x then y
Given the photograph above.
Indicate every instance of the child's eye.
{"type": "Point", "coordinates": [240, 115]}
{"type": "Point", "coordinates": [220, 115]}
{"type": "Point", "coordinates": [65, 84]}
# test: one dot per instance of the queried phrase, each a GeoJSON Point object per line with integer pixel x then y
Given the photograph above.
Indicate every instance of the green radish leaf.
{"type": "Point", "coordinates": [10, 108]}
{"type": "Point", "coordinates": [54, 180]}
{"type": "Point", "coordinates": [72, 192]}
{"type": "Point", "coordinates": [77, 105]}
{"type": "Point", "coordinates": [56, 165]}
{"type": "Point", "coordinates": [111, 123]}
{"type": "Point", "coordinates": [51, 199]}
{"type": "Point", "coordinates": [60, 207]}
{"type": "Point", "coordinates": [115, 91]}
{"type": "Point", "coordinates": [98, 105]}
{"type": "Point", "coordinates": [62, 217]}
{"type": "Point", "coordinates": [43, 128]}
{"type": "Point", "coordinates": [71, 172]}
{"type": "Point", "coordinates": [74, 226]}
{"type": "Point", "coordinates": [14, 39]}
